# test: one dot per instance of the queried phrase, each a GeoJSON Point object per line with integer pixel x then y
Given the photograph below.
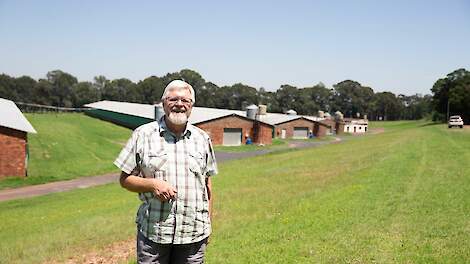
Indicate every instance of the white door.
{"type": "Point", "coordinates": [300, 132]}
{"type": "Point", "coordinates": [232, 136]}
{"type": "Point", "coordinates": [283, 133]}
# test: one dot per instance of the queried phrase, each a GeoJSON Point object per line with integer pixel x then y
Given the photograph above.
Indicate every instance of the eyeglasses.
{"type": "Point", "coordinates": [174, 100]}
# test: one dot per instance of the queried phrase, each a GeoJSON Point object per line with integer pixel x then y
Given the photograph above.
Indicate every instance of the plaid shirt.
{"type": "Point", "coordinates": [153, 151]}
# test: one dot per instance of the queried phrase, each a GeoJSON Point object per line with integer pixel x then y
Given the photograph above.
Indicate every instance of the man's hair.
{"type": "Point", "coordinates": [179, 85]}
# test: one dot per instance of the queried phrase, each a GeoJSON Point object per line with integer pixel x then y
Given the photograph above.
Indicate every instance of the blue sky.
{"type": "Point", "coordinates": [397, 46]}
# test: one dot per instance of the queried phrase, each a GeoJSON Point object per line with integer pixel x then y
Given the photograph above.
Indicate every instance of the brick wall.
{"type": "Point", "coordinates": [318, 129]}
{"type": "Point", "coordinates": [13, 152]}
{"type": "Point", "coordinates": [215, 129]}
{"type": "Point", "coordinates": [330, 122]}
{"type": "Point", "coordinates": [265, 134]}
{"type": "Point", "coordinates": [289, 127]}
{"type": "Point", "coordinates": [339, 127]}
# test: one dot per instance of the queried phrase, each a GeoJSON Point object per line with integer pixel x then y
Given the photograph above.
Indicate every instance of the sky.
{"type": "Point", "coordinates": [398, 46]}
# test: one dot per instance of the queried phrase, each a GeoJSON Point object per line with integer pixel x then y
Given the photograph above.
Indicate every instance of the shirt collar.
{"type": "Point", "coordinates": [164, 129]}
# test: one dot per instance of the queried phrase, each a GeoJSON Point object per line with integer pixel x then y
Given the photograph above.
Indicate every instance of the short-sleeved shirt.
{"type": "Point", "coordinates": [153, 151]}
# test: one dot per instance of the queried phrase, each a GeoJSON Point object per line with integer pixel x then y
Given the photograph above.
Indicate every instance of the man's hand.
{"type": "Point", "coordinates": [163, 190]}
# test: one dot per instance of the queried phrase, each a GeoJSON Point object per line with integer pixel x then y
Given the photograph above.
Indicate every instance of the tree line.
{"type": "Point", "coordinates": [349, 97]}
{"type": "Point", "coordinates": [451, 96]}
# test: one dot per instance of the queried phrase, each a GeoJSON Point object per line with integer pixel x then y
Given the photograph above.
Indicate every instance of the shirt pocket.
{"type": "Point", "coordinates": [196, 163]}
{"type": "Point", "coordinates": [157, 165]}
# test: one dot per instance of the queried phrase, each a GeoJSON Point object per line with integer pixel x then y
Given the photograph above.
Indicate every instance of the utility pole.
{"type": "Point", "coordinates": [448, 107]}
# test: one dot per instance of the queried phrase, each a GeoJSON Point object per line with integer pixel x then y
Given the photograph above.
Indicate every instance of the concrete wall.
{"type": "Point", "coordinates": [13, 152]}
{"type": "Point", "coordinates": [215, 129]}
{"type": "Point", "coordinates": [349, 128]}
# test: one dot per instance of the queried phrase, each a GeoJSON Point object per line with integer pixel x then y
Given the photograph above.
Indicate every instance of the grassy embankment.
{"type": "Point", "coordinates": [395, 197]}
{"type": "Point", "coordinates": [68, 146]}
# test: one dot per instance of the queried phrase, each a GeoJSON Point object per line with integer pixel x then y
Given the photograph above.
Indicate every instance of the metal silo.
{"type": "Point", "coordinates": [251, 111]}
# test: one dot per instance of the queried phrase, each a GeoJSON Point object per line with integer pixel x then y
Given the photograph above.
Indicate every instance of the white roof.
{"type": "Point", "coordinates": [11, 117]}
{"type": "Point", "coordinates": [142, 110]}
{"type": "Point", "coordinates": [356, 121]}
{"type": "Point", "coordinates": [198, 115]}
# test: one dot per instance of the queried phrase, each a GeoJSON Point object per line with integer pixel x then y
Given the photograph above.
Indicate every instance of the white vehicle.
{"type": "Point", "coordinates": [455, 121]}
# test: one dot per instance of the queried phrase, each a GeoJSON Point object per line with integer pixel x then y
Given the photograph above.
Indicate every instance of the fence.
{"type": "Point", "coordinates": [37, 108]}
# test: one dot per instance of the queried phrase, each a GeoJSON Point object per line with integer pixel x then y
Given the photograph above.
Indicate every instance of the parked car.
{"type": "Point", "coordinates": [455, 121]}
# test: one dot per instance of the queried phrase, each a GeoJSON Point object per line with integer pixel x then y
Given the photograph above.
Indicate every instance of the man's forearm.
{"type": "Point", "coordinates": [135, 183]}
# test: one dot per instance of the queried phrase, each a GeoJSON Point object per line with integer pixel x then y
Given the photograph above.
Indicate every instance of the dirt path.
{"type": "Point", "coordinates": [377, 130]}
{"type": "Point", "coordinates": [85, 182]}
{"type": "Point", "coordinates": [118, 252]}
{"type": "Point", "coordinates": [60, 186]}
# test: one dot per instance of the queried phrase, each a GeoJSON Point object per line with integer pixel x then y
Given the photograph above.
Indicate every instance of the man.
{"type": "Point", "coordinates": [169, 163]}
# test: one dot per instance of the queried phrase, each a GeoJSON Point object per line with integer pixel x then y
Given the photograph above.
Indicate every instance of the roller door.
{"type": "Point", "coordinates": [232, 136]}
{"type": "Point", "coordinates": [300, 132]}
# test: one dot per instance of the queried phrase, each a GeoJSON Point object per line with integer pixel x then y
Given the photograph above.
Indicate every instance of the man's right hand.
{"type": "Point", "coordinates": [163, 190]}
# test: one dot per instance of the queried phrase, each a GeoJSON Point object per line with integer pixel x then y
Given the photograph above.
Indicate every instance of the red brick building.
{"type": "Point", "coordinates": [300, 128]}
{"type": "Point", "coordinates": [13, 140]}
{"type": "Point", "coordinates": [224, 126]}
{"type": "Point", "coordinates": [234, 129]}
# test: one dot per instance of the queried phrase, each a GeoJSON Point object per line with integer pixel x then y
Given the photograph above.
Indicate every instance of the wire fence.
{"type": "Point", "coordinates": [37, 108]}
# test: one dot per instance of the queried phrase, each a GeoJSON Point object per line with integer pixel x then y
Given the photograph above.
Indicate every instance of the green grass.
{"type": "Point", "coordinates": [396, 197]}
{"type": "Point", "coordinates": [65, 224]}
{"type": "Point", "coordinates": [277, 143]}
{"type": "Point", "coordinates": [69, 146]}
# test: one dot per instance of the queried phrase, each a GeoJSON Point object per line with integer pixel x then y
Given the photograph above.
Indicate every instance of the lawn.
{"type": "Point", "coordinates": [396, 197]}
{"type": "Point", "coordinates": [277, 144]}
{"type": "Point", "coordinates": [69, 146]}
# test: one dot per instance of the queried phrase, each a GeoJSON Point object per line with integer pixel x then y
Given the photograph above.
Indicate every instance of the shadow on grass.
{"type": "Point", "coordinates": [430, 124]}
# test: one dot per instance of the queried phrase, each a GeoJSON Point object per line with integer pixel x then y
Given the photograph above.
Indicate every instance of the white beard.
{"type": "Point", "coordinates": [178, 118]}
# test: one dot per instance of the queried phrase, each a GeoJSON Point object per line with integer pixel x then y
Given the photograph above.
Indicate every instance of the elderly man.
{"type": "Point", "coordinates": [169, 163]}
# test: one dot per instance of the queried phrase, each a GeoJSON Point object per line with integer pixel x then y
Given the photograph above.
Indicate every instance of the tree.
{"type": "Point", "coordinates": [415, 106]}
{"type": "Point", "coordinates": [44, 93]}
{"type": "Point", "coordinates": [286, 97]}
{"type": "Point", "coordinates": [453, 93]}
{"type": "Point", "coordinates": [207, 95]}
{"type": "Point", "coordinates": [120, 90]}
{"type": "Point", "coordinates": [100, 82]}
{"type": "Point", "coordinates": [386, 106]}
{"type": "Point", "coordinates": [269, 99]}
{"type": "Point", "coordinates": [24, 86]}
{"type": "Point", "coordinates": [351, 98]}
{"type": "Point", "coordinates": [310, 100]}
{"type": "Point", "coordinates": [62, 84]}
{"type": "Point", "coordinates": [7, 88]}
{"type": "Point", "coordinates": [150, 90]}
{"type": "Point", "coordinates": [84, 93]}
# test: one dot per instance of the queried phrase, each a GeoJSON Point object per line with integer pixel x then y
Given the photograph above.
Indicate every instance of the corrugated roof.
{"type": "Point", "coordinates": [11, 117]}
{"type": "Point", "coordinates": [198, 115]}
{"type": "Point", "coordinates": [142, 110]}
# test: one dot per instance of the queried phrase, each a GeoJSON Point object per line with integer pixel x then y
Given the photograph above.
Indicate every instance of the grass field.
{"type": "Point", "coordinates": [69, 146]}
{"type": "Point", "coordinates": [396, 197]}
{"type": "Point", "coordinates": [276, 144]}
